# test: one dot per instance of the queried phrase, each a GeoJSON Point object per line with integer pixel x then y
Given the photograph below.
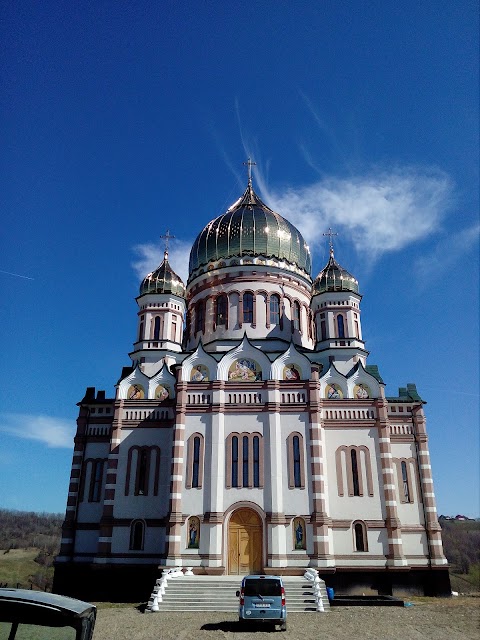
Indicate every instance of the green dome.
{"type": "Point", "coordinates": [163, 280]}
{"type": "Point", "coordinates": [250, 228]}
{"type": "Point", "coordinates": [333, 277]}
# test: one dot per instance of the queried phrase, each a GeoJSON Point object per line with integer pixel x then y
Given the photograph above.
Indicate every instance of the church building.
{"type": "Point", "coordinates": [250, 434]}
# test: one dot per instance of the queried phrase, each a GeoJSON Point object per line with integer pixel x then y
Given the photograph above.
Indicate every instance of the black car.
{"type": "Point", "coordinates": [44, 616]}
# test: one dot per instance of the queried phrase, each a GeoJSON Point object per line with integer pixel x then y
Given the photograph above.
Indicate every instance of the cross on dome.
{"type": "Point", "coordinates": [330, 233]}
{"type": "Point", "coordinates": [166, 237]}
{"type": "Point", "coordinates": [249, 164]}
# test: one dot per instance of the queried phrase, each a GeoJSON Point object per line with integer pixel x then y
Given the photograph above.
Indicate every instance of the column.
{"type": "Point", "coordinates": [432, 527]}
{"type": "Point", "coordinates": [395, 557]}
{"type": "Point", "coordinates": [67, 545]}
{"type": "Point", "coordinates": [215, 444]}
{"type": "Point", "coordinates": [322, 553]}
{"type": "Point", "coordinates": [275, 521]}
{"type": "Point", "coordinates": [174, 527]}
{"type": "Point", "coordinates": [106, 521]}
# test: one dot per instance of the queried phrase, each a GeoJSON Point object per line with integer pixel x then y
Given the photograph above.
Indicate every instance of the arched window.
{"type": "Point", "coordinates": [406, 487]}
{"type": "Point", "coordinates": [354, 462]}
{"type": "Point", "coordinates": [256, 461]}
{"type": "Point", "coordinates": [140, 331]}
{"type": "Point", "coordinates": [196, 461]}
{"type": "Point", "coordinates": [221, 306]}
{"type": "Point", "coordinates": [296, 316]}
{"type": "Point", "coordinates": [340, 326]}
{"type": "Point", "coordinates": [274, 309]}
{"type": "Point", "coordinates": [200, 316]}
{"type": "Point", "coordinates": [137, 535]}
{"type": "Point", "coordinates": [296, 461]}
{"type": "Point", "coordinates": [92, 478]}
{"type": "Point", "coordinates": [141, 487]}
{"type": "Point", "coordinates": [195, 447]}
{"type": "Point", "coordinates": [248, 307]}
{"type": "Point", "coordinates": [174, 330]}
{"type": "Point", "coordinates": [143, 468]}
{"type": "Point", "coordinates": [234, 461]}
{"type": "Point", "coordinates": [244, 460]}
{"type": "Point", "coordinates": [156, 328]}
{"type": "Point", "coordinates": [360, 536]}
{"type": "Point", "coordinates": [96, 484]}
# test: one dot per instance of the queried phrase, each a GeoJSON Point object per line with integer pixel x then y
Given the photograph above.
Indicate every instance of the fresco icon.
{"type": "Point", "coordinates": [299, 533]}
{"type": "Point", "coordinates": [193, 533]}
{"type": "Point", "coordinates": [333, 392]}
{"type": "Point", "coordinates": [136, 392]}
{"type": "Point", "coordinates": [361, 391]}
{"type": "Point", "coordinates": [291, 372]}
{"type": "Point", "coordinates": [244, 370]}
{"type": "Point", "coordinates": [162, 392]}
{"type": "Point", "coordinates": [199, 373]}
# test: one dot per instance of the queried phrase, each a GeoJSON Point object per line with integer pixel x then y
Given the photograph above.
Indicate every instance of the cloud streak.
{"type": "Point", "coordinates": [445, 254]}
{"type": "Point", "coordinates": [150, 256]}
{"type": "Point", "coordinates": [380, 212]}
{"type": "Point", "coordinates": [54, 432]}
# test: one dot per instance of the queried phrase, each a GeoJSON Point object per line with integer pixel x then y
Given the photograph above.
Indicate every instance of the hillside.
{"type": "Point", "coordinates": [28, 543]}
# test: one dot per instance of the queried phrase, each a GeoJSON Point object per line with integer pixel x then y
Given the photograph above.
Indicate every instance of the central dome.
{"type": "Point", "coordinates": [250, 228]}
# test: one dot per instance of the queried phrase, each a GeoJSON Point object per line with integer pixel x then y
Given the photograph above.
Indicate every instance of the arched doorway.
{"type": "Point", "coordinates": [244, 542]}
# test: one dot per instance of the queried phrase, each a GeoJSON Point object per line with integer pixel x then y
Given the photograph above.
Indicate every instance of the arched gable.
{"type": "Point", "coordinates": [136, 379]}
{"type": "Point", "coordinates": [244, 352]}
{"type": "Point", "coordinates": [291, 357]}
{"type": "Point", "coordinates": [199, 367]}
{"type": "Point", "coordinates": [333, 379]}
{"type": "Point", "coordinates": [361, 384]}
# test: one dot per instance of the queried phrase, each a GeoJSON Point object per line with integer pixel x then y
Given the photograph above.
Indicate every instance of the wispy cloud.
{"type": "Point", "coordinates": [54, 432]}
{"type": "Point", "coordinates": [445, 254]}
{"type": "Point", "coordinates": [378, 212]}
{"type": "Point", "coordinates": [151, 255]}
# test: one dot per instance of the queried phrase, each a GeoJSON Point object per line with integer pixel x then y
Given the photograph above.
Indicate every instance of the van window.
{"type": "Point", "coordinates": [263, 587]}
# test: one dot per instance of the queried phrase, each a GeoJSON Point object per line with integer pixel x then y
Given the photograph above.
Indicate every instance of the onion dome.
{"type": "Point", "coordinates": [334, 277]}
{"type": "Point", "coordinates": [163, 280]}
{"type": "Point", "coordinates": [250, 228]}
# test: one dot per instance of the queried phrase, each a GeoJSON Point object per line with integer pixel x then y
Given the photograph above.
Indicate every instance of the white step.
{"type": "Point", "coordinates": [210, 593]}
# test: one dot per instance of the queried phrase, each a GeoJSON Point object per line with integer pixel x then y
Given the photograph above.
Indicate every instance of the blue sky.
{"type": "Point", "coordinates": [120, 120]}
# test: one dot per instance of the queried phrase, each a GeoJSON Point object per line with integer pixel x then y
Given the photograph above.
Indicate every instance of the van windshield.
{"type": "Point", "coordinates": [262, 587]}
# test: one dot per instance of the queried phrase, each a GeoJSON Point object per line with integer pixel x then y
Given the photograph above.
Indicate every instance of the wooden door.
{"type": "Point", "coordinates": [244, 543]}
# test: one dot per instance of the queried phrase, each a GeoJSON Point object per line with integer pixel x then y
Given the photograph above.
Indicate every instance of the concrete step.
{"type": "Point", "coordinates": [208, 593]}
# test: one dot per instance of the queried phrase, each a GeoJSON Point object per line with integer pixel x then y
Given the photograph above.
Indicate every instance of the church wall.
{"type": "Point", "coordinates": [414, 544]}
{"type": "Point", "coordinates": [363, 507]}
{"type": "Point", "coordinates": [151, 505]}
{"type": "Point", "coordinates": [154, 541]}
{"type": "Point", "coordinates": [86, 541]}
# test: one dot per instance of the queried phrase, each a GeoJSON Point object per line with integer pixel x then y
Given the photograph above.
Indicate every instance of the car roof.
{"type": "Point", "coordinates": [47, 601]}
{"type": "Point", "coordinates": [262, 576]}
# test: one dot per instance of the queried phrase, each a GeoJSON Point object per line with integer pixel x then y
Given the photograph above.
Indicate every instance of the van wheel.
{"type": "Point", "coordinates": [283, 627]}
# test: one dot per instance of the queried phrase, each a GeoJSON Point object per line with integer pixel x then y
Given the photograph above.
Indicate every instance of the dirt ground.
{"type": "Point", "coordinates": [436, 619]}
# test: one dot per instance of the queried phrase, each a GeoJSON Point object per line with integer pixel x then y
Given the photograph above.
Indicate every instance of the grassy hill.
{"type": "Point", "coordinates": [29, 543]}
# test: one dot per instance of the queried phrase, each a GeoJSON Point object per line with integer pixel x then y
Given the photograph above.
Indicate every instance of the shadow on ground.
{"type": "Point", "coordinates": [237, 627]}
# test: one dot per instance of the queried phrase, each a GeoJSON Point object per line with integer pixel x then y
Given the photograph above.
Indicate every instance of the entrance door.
{"type": "Point", "coordinates": [244, 543]}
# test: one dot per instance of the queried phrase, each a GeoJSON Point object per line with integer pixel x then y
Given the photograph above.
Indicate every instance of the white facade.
{"type": "Point", "coordinates": [254, 437]}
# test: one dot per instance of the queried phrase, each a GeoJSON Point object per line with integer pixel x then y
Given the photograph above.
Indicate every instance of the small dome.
{"type": "Point", "coordinates": [163, 280]}
{"type": "Point", "coordinates": [333, 277]}
{"type": "Point", "coordinates": [250, 228]}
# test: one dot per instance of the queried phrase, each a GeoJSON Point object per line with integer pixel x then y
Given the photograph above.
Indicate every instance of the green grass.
{"type": "Point", "coordinates": [17, 566]}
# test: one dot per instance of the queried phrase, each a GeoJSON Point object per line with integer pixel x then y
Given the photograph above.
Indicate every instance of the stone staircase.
{"type": "Point", "coordinates": [209, 593]}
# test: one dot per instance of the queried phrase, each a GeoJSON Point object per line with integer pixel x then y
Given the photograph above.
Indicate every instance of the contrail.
{"type": "Point", "coordinates": [17, 275]}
